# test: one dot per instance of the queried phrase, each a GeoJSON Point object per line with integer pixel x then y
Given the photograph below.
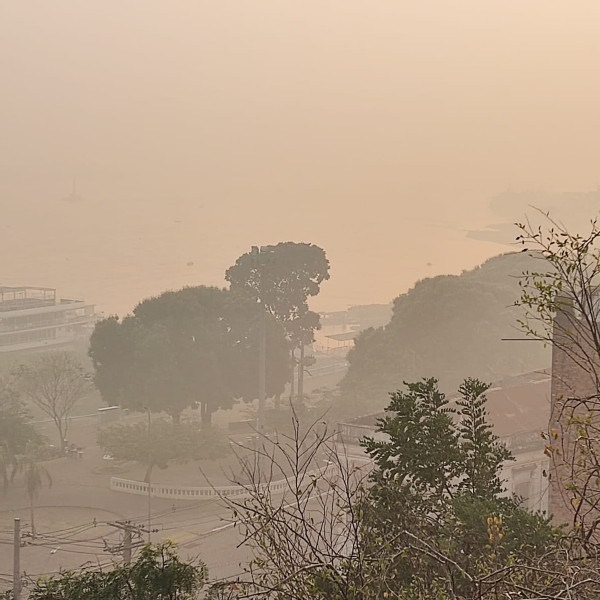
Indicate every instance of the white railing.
{"type": "Point", "coordinates": [185, 492]}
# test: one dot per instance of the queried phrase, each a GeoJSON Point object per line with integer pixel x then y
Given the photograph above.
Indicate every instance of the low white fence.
{"type": "Point", "coordinates": [185, 492]}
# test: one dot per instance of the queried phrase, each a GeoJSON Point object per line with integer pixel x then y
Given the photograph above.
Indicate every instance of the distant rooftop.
{"type": "Point", "coordinates": [20, 297]}
{"type": "Point", "coordinates": [516, 405]}
{"type": "Point", "coordinates": [19, 288]}
{"type": "Point", "coordinates": [343, 337]}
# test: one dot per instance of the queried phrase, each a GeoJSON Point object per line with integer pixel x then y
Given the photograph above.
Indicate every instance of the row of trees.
{"type": "Point", "coordinates": [199, 346]}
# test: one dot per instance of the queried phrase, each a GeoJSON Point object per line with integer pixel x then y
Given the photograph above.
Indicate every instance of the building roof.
{"type": "Point", "coordinates": [516, 405]}
{"type": "Point", "coordinates": [520, 408]}
{"type": "Point", "coordinates": [51, 308]}
{"type": "Point", "coordinates": [20, 288]}
{"type": "Point", "coordinates": [343, 337]}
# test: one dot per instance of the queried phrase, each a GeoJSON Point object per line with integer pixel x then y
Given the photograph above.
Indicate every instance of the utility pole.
{"type": "Point", "coordinates": [149, 474]}
{"type": "Point", "coordinates": [259, 257]}
{"type": "Point", "coordinates": [262, 368]}
{"type": "Point", "coordinates": [301, 376]}
{"type": "Point", "coordinates": [127, 545]}
{"type": "Point", "coordinates": [16, 590]}
{"type": "Point", "coordinates": [293, 379]}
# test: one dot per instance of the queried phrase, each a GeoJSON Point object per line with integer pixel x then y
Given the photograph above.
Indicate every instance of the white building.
{"type": "Point", "coordinates": [33, 318]}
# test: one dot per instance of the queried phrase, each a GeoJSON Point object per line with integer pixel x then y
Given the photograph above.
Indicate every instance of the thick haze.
{"type": "Point", "coordinates": [381, 131]}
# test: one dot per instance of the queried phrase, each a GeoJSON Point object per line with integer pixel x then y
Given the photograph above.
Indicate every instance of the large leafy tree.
{"type": "Point", "coordinates": [192, 347]}
{"type": "Point", "coordinates": [437, 493]}
{"type": "Point", "coordinates": [442, 324]}
{"type": "Point", "coordinates": [282, 278]}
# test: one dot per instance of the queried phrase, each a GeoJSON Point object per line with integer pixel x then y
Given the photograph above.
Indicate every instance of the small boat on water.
{"type": "Point", "coordinates": [74, 196]}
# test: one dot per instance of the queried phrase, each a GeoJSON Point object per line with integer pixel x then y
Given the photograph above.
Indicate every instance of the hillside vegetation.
{"type": "Point", "coordinates": [448, 326]}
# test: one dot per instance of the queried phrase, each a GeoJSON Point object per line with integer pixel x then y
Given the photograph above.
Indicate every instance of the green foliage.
{"type": "Point", "coordinates": [415, 527]}
{"type": "Point", "coordinates": [16, 431]}
{"type": "Point", "coordinates": [421, 452]}
{"type": "Point", "coordinates": [157, 574]}
{"type": "Point", "coordinates": [440, 325]}
{"type": "Point", "coordinates": [564, 283]}
{"type": "Point", "coordinates": [282, 278]}
{"type": "Point", "coordinates": [482, 454]}
{"type": "Point", "coordinates": [36, 476]}
{"type": "Point", "coordinates": [436, 493]}
{"type": "Point", "coordinates": [166, 442]}
{"type": "Point", "coordinates": [194, 347]}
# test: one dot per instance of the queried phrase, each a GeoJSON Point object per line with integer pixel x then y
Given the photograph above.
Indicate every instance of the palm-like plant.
{"type": "Point", "coordinates": [16, 431]}
{"type": "Point", "coordinates": [36, 475]}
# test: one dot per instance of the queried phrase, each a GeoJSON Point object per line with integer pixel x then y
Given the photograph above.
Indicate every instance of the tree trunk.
{"type": "Point", "coordinates": [277, 401]}
{"type": "Point", "coordinates": [33, 531]}
{"type": "Point", "coordinates": [293, 379]}
{"type": "Point", "coordinates": [61, 433]}
{"type": "Point", "coordinates": [205, 414]}
{"type": "Point", "coordinates": [301, 376]}
{"type": "Point", "coordinates": [176, 418]}
{"type": "Point", "coordinates": [148, 473]}
{"type": "Point", "coordinates": [65, 427]}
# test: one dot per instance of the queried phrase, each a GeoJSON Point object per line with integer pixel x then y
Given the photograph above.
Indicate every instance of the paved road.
{"type": "Point", "coordinates": [80, 497]}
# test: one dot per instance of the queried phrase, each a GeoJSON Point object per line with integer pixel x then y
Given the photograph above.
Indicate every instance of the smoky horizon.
{"type": "Point", "coordinates": [152, 144]}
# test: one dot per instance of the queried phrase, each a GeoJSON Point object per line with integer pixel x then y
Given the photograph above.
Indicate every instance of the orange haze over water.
{"type": "Point", "coordinates": [378, 130]}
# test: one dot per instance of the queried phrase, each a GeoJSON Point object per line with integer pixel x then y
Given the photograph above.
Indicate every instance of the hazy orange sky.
{"type": "Point", "coordinates": [379, 130]}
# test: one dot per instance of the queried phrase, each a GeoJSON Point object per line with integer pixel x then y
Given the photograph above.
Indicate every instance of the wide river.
{"type": "Point", "coordinates": [115, 253]}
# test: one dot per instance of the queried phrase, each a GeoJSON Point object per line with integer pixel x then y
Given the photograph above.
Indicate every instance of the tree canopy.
{"type": "Point", "coordinates": [157, 574]}
{"type": "Point", "coordinates": [16, 431]}
{"type": "Point", "coordinates": [283, 277]}
{"type": "Point", "coordinates": [187, 348]}
{"type": "Point", "coordinates": [436, 484]}
{"type": "Point", "coordinates": [440, 325]}
{"type": "Point", "coordinates": [165, 442]}
{"type": "Point", "coordinates": [54, 381]}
